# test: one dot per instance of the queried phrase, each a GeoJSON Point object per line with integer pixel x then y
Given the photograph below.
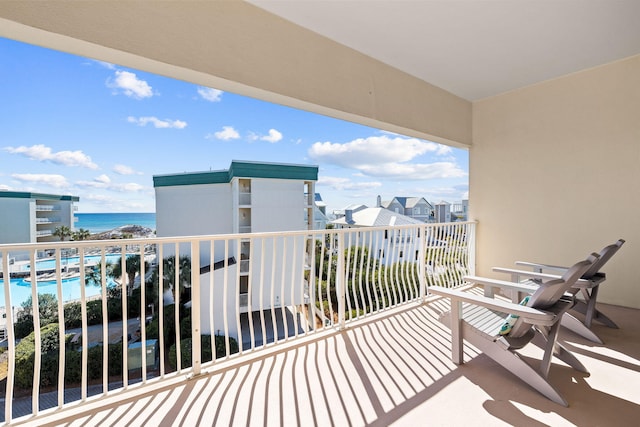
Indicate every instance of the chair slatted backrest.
{"type": "Point", "coordinates": [548, 293]}
{"type": "Point", "coordinates": [605, 255]}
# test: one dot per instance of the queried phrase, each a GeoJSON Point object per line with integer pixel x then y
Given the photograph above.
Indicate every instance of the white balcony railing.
{"type": "Point", "coordinates": [293, 284]}
{"type": "Point", "coordinates": [47, 208]}
{"type": "Point", "coordinates": [47, 220]}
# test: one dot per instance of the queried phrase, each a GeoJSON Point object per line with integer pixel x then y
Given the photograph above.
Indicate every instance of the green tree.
{"type": "Point", "coordinates": [133, 266]}
{"type": "Point", "coordinates": [47, 307]}
{"type": "Point", "coordinates": [81, 234]}
{"type": "Point", "coordinates": [62, 232]}
{"type": "Point", "coordinates": [184, 276]}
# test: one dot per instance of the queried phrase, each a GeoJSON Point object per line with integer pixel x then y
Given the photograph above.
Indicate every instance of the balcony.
{"type": "Point", "coordinates": [351, 341]}
{"type": "Point", "coordinates": [47, 220]}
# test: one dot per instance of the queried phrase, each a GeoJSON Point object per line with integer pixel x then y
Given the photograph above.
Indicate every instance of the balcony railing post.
{"type": "Point", "coordinates": [471, 247]}
{"type": "Point", "coordinates": [422, 261]}
{"type": "Point", "coordinates": [340, 281]}
{"type": "Point", "coordinates": [195, 307]}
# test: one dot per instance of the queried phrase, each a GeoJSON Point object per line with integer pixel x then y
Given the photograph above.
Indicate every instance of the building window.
{"type": "Point", "coordinates": [417, 253]}
{"type": "Point", "coordinates": [386, 234]}
{"type": "Point", "coordinates": [400, 254]}
{"type": "Point", "coordinates": [380, 253]}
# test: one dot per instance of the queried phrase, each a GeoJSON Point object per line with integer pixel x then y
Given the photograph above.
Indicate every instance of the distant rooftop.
{"type": "Point", "coordinates": [41, 196]}
{"type": "Point", "coordinates": [239, 169]}
{"type": "Point", "coordinates": [376, 217]}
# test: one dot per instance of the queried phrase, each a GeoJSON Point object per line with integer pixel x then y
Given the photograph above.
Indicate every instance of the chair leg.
{"type": "Point", "coordinates": [575, 325]}
{"type": "Point", "coordinates": [591, 313]}
{"type": "Point", "coordinates": [567, 357]}
{"type": "Point", "coordinates": [515, 364]}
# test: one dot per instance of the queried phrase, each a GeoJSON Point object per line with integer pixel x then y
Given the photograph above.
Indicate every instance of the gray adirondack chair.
{"type": "Point", "coordinates": [586, 288]}
{"type": "Point", "coordinates": [480, 320]}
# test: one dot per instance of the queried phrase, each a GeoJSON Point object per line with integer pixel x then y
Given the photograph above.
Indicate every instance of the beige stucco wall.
{"type": "Point", "coordinates": [555, 172]}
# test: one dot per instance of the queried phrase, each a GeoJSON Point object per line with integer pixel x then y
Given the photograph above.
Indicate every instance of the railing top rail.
{"type": "Point", "coordinates": [214, 237]}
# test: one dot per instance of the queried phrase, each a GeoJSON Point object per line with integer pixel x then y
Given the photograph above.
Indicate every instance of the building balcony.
{"type": "Point", "coordinates": [47, 220]}
{"type": "Point", "coordinates": [47, 208]}
{"type": "Point", "coordinates": [340, 341]}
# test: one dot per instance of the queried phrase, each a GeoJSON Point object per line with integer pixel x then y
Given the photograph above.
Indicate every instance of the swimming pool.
{"type": "Point", "coordinates": [50, 264]}
{"type": "Point", "coordinates": [21, 290]}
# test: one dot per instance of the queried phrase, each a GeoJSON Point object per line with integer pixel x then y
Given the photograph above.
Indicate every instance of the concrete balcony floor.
{"type": "Point", "coordinates": [390, 369]}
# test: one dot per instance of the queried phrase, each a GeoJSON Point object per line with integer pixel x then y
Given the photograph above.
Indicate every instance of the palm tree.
{"type": "Point", "coordinates": [184, 275]}
{"type": "Point", "coordinates": [62, 232]}
{"type": "Point", "coordinates": [132, 267]}
{"type": "Point", "coordinates": [81, 234]}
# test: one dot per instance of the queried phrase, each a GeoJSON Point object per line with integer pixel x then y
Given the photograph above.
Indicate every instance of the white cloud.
{"type": "Point", "coordinates": [130, 85]}
{"type": "Point", "coordinates": [387, 157]}
{"type": "Point", "coordinates": [43, 153]}
{"type": "Point", "coordinates": [340, 184]}
{"type": "Point", "coordinates": [53, 180]}
{"type": "Point", "coordinates": [227, 133]}
{"type": "Point", "coordinates": [103, 178]}
{"type": "Point", "coordinates": [414, 171]}
{"type": "Point", "coordinates": [210, 94]}
{"type": "Point", "coordinates": [4, 187]}
{"type": "Point", "coordinates": [107, 65]}
{"type": "Point", "coordinates": [125, 170]}
{"type": "Point", "coordinates": [157, 123]}
{"type": "Point", "coordinates": [273, 137]}
{"type": "Point", "coordinates": [104, 182]}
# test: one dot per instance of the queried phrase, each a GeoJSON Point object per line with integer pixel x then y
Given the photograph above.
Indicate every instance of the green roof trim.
{"type": "Point", "coordinates": [41, 196]}
{"type": "Point", "coordinates": [240, 169]}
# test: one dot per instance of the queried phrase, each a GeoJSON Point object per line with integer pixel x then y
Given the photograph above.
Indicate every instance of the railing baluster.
{"type": "Point", "coordinates": [340, 279]}
{"type": "Point", "coordinates": [225, 296]}
{"type": "Point", "coordinates": [37, 337]}
{"type": "Point", "coordinates": [176, 305]}
{"type": "Point", "coordinates": [292, 280]}
{"type": "Point", "coordinates": [8, 402]}
{"type": "Point", "coordinates": [212, 300]}
{"type": "Point", "coordinates": [105, 322]}
{"type": "Point", "coordinates": [61, 334]}
{"type": "Point", "coordinates": [263, 326]}
{"type": "Point", "coordinates": [250, 295]}
{"type": "Point", "coordinates": [160, 261]}
{"type": "Point", "coordinates": [236, 297]}
{"type": "Point", "coordinates": [143, 317]}
{"type": "Point", "coordinates": [272, 285]}
{"type": "Point", "coordinates": [283, 307]}
{"type": "Point", "coordinates": [196, 344]}
{"type": "Point", "coordinates": [85, 326]}
{"type": "Point", "coordinates": [125, 316]}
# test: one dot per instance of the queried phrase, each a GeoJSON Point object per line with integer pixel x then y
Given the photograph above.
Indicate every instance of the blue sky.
{"type": "Point", "coordinates": [72, 125]}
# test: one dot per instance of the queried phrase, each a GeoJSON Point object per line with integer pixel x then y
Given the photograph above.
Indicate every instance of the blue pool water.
{"type": "Point", "coordinates": [21, 289]}
{"type": "Point", "coordinates": [50, 264]}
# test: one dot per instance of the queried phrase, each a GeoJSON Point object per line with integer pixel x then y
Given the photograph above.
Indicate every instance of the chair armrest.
{"type": "Point", "coordinates": [543, 266]}
{"type": "Point", "coordinates": [529, 274]}
{"type": "Point", "coordinates": [528, 314]}
{"type": "Point", "coordinates": [503, 284]}
{"type": "Point", "coordinates": [580, 283]}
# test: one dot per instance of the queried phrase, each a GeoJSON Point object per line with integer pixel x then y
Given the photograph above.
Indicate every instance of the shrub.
{"type": "Point", "coordinates": [25, 357]}
{"type": "Point", "coordinates": [23, 326]}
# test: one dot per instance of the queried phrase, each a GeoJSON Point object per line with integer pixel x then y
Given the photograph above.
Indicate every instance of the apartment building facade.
{"type": "Point", "coordinates": [27, 217]}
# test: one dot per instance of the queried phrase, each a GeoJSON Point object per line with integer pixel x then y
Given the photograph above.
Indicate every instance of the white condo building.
{"type": "Point", "coordinates": [249, 197]}
{"type": "Point", "coordinates": [398, 246]}
{"type": "Point", "coordinates": [33, 217]}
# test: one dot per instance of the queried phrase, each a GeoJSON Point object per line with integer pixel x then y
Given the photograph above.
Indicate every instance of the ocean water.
{"type": "Point", "coordinates": [99, 222]}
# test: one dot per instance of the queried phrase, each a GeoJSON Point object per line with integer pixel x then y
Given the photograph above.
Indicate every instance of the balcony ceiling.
{"type": "Point", "coordinates": [476, 48]}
